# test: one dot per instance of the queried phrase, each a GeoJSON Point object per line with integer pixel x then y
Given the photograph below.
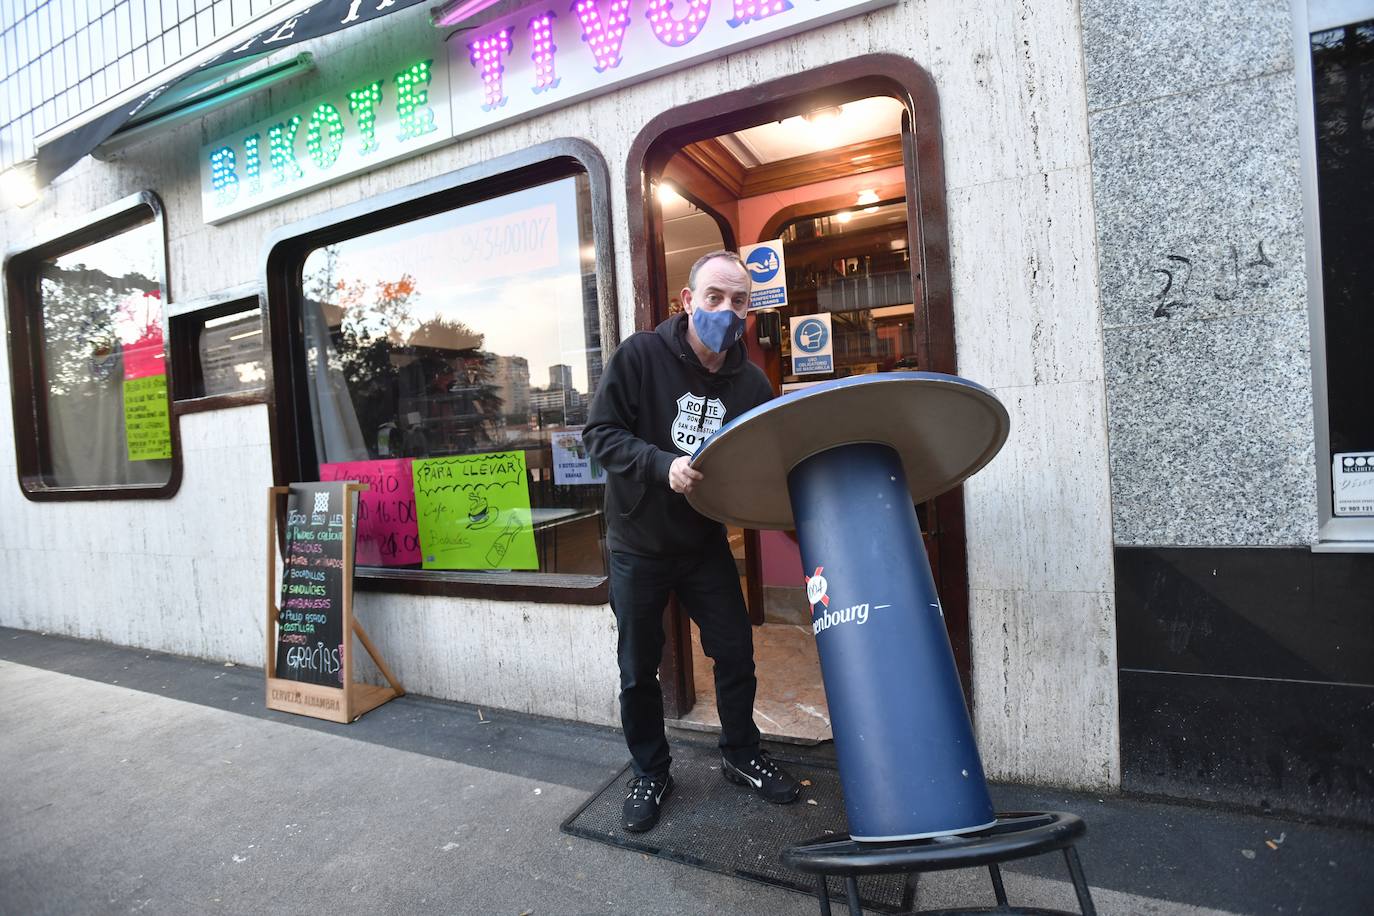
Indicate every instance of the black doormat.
{"type": "Point", "coordinates": [712, 824]}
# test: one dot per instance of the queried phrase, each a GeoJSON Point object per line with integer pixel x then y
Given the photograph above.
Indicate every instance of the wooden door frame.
{"type": "Point", "coordinates": [927, 219]}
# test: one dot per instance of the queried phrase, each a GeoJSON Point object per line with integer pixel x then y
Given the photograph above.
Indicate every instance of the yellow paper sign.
{"type": "Point", "coordinates": [474, 512]}
{"type": "Point", "coordinates": [147, 430]}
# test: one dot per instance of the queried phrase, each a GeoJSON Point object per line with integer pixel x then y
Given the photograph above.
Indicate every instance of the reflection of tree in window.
{"type": "Point", "coordinates": [100, 309]}
{"type": "Point", "coordinates": [428, 380]}
{"type": "Point", "coordinates": [85, 313]}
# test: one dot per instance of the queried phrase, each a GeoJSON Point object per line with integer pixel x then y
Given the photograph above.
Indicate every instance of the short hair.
{"type": "Point", "coordinates": [701, 262]}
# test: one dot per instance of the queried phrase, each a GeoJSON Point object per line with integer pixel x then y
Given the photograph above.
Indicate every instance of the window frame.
{"type": "Point", "coordinates": [185, 322]}
{"type": "Point", "coordinates": [282, 262]}
{"type": "Point", "coordinates": [23, 306]}
{"type": "Point", "coordinates": [1335, 534]}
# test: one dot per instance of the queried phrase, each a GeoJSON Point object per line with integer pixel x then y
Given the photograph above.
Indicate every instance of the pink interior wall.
{"type": "Point", "coordinates": [780, 559]}
{"type": "Point", "coordinates": [779, 556]}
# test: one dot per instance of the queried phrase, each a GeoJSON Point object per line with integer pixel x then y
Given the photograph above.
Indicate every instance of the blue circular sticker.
{"type": "Point", "coordinates": [763, 264]}
{"type": "Point", "coordinates": [811, 336]}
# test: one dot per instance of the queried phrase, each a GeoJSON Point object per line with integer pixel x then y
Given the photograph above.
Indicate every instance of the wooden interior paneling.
{"type": "Point", "coordinates": [688, 174]}
{"type": "Point", "coordinates": [712, 158]}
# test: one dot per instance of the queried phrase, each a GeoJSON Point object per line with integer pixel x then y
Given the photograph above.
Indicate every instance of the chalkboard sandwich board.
{"type": "Point", "coordinates": [309, 634]}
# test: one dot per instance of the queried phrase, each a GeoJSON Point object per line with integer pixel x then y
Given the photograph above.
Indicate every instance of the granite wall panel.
{"type": "Point", "coordinates": [1193, 127]}
{"type": "Point", "coordinates": [1144, 50]}
{"type": "Point", "coordinates": [1211, 432]}
{"type": "Point", "coordinates": [1198, 207]}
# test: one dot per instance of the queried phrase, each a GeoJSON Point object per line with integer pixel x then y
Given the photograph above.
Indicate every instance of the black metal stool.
{"type": "Point", "coordinates": [1016, 835]}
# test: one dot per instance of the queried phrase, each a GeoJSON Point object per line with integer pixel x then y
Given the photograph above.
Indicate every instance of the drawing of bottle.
{"type": "Point", "coordinates": [497, 553]}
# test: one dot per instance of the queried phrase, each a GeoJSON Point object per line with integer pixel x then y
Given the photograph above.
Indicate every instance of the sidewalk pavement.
{"type": "Point", "coordinates": [139, 782]}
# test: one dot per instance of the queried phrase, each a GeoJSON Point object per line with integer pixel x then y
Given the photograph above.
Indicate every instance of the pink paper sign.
{"type": "Point", "coordinates": [139, 320]}
{"type": "Point", "coordinates": [143, 359]}
{"type": "Point", "coordinates": [387, 534]}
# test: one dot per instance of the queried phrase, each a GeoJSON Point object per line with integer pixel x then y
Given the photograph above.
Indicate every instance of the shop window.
{"type": "Point", "coordinates": [1341, 55]}
{"type": "Point", "coordinates": [448, 360]}
{"type": "Point", "coordinates": [92, 417]}
{"type": "Point", "coordinates": [218, 354]}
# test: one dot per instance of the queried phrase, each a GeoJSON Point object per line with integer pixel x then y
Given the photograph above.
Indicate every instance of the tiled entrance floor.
{"type": "Point", "coordinates": [790, 705]}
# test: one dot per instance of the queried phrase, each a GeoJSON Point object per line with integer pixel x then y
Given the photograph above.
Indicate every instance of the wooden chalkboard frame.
{"type": "Point", "coordinates": [335, 704]}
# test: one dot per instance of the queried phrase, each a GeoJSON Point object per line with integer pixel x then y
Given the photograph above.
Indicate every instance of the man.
{"type": "Point", "coordinates": [662, 395]}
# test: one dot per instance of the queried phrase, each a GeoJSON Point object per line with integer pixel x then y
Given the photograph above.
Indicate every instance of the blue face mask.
{"type": "Point", "coordinates": [718, 330]}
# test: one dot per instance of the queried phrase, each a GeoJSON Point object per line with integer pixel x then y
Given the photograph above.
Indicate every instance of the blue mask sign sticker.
{"type": "Point", "coordinates": [813, 345]}
{"type": "Point", "coordinates": [767, 274]}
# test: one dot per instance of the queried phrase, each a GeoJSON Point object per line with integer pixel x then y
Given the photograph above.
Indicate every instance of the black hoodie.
{"type": "Point", "coordinates": [655, 402]}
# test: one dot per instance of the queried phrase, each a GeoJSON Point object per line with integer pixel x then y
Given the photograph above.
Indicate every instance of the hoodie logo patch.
{"type": "Point", "coordinates": [696, 419]}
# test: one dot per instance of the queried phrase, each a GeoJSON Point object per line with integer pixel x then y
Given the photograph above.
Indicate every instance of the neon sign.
{"type": "Point", "coordinates": [508, 67]}
{"type": "Point", "coordinates": [676, 32]}
{"type": "Point", "coordinates": [395, 112]}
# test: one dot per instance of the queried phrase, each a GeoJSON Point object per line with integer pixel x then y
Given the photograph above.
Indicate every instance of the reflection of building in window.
{"type": "Point", "coordinates": [554, 404]}
{"type": "Point", "coordinates": [560, 376]}
{"type": "Point", "coordinates": [510, 377]}
{"type": "Point", "coordinates": [560, 402]}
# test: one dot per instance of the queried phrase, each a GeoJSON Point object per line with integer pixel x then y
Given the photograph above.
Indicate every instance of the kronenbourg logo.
{"type": "Point", "coordinates": [815, 589]}
{"type": "Point", "coordinates": [823, 618]}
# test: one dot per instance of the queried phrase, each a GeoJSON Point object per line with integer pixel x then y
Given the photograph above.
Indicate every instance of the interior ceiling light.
{"type": "Point", "coordinates": [867, 197]}
{"type": "Point", "coordinates": [667, 194]}
{"type": "Point", "coordinates": [823, 115]}
{"type": "Point", "coordinates": [844, 216]}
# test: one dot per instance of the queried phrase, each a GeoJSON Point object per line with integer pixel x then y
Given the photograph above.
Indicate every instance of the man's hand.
{"type": "Point", "coordinates": [681, 476]}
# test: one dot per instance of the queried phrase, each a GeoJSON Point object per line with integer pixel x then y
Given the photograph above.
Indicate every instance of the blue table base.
{"type": "Point", "coordinates": [908, 762]}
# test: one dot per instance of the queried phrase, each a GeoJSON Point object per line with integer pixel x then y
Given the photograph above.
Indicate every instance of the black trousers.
{"type": "Point", "coordinates": [707, 588]}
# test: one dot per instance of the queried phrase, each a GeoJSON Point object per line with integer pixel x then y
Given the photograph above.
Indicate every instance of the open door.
{"type": "Point", "coordinates": [832, 169]}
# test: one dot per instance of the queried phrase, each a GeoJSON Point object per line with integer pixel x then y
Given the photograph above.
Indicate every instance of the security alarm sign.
{"type": "Point", "coordinates": [1352, 483]}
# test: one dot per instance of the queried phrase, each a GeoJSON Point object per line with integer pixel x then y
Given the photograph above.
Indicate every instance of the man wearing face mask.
{"type": "Point", "coordinates": [662, 395]}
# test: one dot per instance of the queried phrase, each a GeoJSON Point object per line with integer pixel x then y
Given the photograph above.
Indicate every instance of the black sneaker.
{"type": "Point", "coordinates": [766, 777]}
{"type": "Point", "coordinates": [644, 801]}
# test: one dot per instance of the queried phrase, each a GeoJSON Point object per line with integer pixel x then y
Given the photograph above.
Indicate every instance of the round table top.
{"type": "Point", "coordinates": [944, 427]}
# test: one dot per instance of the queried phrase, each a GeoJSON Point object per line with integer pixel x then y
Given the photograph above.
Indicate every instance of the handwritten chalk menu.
{"type": "Point", "coordinates": [387, 534]}
{"type": "Point", "coordinates": [474, 512]}
{"type": "Point", "coordinates": [310, 630]}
